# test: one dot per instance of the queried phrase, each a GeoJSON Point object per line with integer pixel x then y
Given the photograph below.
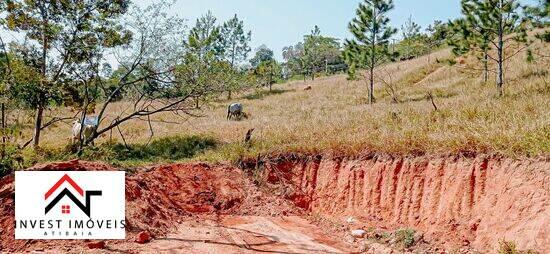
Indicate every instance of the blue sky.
{"type": "Point", "coordinates": [278, 23]}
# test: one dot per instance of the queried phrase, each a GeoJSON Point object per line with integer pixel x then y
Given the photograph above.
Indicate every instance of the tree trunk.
{"type": "Point", "coordinates": [372, 58]}
{"type": "Point", "coordinates": [270, 81]}
{"type": "Point", "coordinates": [371, 85]}
{"type": "Point", "coordinates": [232, 67]}
{"type": "Point", "coordinates": [41, 97]}
{"type": "Point", "coordinates": [38, 125]}
{"type": "Point", "coordinates": [500, 76]}
{"type": "Point", "coordinates": [485, 65]}
{"type": "Point", "coordinates": [3, 131]}
{"type": "Point", "coordinates": [500, 50]}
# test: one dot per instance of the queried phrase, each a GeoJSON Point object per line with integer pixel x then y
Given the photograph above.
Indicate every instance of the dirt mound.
{"type": "Point", "coordinates": [457, 201]}
{"type": "Point", "coordinates": [158, 199]}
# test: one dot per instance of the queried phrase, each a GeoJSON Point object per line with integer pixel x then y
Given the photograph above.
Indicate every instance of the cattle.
{"type": "Point", "coordinates": [307, 88]}
{"type": "Point", "coordinates": [86, 132]}
{"type": "Point", "coordinates": [235, 111]}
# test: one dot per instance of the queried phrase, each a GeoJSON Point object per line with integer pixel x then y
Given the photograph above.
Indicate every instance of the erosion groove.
{"type": "Point", "coordinates": [456, 200]}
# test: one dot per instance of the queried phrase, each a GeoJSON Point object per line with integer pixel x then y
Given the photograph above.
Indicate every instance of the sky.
{"type": "Point", "coordinates": [279, 23]}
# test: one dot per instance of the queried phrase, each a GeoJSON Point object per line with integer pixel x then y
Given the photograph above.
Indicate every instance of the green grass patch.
{"type": "Point", "coordinates": [166, 149]}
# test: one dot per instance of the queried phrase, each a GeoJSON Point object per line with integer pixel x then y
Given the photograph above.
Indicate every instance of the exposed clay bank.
{"type": "Point", "coordinates": [453, 200]}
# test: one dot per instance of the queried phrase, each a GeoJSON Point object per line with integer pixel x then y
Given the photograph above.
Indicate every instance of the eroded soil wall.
{"type": "Point", "coordinates": [464, 201]}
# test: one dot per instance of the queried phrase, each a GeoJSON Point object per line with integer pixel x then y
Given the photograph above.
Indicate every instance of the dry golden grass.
{"type": "Point", "coordinates": [334, 116]}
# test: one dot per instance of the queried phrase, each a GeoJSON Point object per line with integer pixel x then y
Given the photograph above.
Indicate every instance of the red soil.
{"type": "Point", "coordinates": [158, 199]}
{"type": "Point", "coordinates": [454, 201]}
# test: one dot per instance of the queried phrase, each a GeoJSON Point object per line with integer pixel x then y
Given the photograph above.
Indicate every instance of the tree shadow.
{"type": "Point", "coordinates": [168, 148]}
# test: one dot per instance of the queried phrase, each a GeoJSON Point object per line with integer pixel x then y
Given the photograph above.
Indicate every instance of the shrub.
{"type": "Point", "coordinates": [405, 237]}
{"type": "Point", "coordinates": [10, 161]}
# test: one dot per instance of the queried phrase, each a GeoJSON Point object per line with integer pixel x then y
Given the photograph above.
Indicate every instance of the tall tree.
{"type": "Point", "coordinates": [497, 19]}
{"type": "Point", "coordinates": [234, 46]}
{"type": "Point", "coordinates": [201, 58]}
{"type": "Point", "coordinates": [150, 75]}
{"type": "Point", "coordinates": [234, 41]}
{"type": "Point", "coordinates": [64, 33]}
{"type": "Point", "coordinates": [372, 32]}
{"type": "Point", "coordinates": [207, 33]}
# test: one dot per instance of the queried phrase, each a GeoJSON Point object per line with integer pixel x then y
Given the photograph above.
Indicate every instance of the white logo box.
{"type": "Point", "coordinates": [34, 191]}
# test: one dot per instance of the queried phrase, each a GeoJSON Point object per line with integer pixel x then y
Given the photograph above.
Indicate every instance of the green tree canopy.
{"type": "Point", "coordinates": [372, 33]}
{"type": "Point", "coordinates": [64, 36]}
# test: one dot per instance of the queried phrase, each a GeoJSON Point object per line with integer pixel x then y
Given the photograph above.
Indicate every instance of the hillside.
{"type": "Point", "coordinates": [334, 115]}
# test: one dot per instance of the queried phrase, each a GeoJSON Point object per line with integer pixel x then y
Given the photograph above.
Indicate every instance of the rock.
{"type": "Point", "coordinates": [143, 237]}
{"type": "Point", "coordinates": [364, 247]}
{"type": "Point", "coordinates": [349, 239]}
{"type": "Point", "coordinates": [96, 245]}
{"type": "Point", "coordinates": [350, 220]}
{"type": "Point", "coordinates": [358, 233]}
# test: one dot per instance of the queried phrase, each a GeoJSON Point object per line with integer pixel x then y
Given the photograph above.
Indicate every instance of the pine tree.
{"type": "Point", "coordinates": [496, 19]}
{"type": "Point", "coordinates": [467, 39]}
{"type": "Point", "coordinates": [411, 32]}
{"type": "Point", "coordinates": [372, 32]}
{"type": "Point", "coordinates": [234, 41]}
{"type": "Point", "coordinates": [234, 48]}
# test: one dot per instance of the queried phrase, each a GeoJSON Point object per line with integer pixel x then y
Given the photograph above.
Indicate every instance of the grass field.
{"type": "Point", "coordinates": [334, 116]}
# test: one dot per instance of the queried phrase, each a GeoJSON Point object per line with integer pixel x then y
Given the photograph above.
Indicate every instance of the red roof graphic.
{"type": "Point", "coordinates": [63, 179]}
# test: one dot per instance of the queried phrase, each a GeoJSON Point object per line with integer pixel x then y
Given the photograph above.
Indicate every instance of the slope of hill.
{"type": "Point", "coordinates": [465, 116]}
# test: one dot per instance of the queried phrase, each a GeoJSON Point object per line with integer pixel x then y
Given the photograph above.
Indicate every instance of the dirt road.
{"type": "Point", "coordinates": [242, 234]}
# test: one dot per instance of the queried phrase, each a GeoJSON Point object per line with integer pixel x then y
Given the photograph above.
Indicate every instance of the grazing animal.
{"type": "Point", "coordinates": [86, 132]}
{"type": "Point", "coordinates": [308, 88]}
{"type": "Point", "coordinates": [235, 111]}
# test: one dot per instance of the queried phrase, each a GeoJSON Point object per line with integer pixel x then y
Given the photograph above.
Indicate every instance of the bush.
{"type": "Point", "coordinates": [405, 237]}
{"type": "Point", "coordinates": [10, 161]}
